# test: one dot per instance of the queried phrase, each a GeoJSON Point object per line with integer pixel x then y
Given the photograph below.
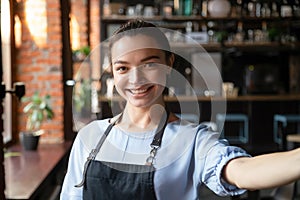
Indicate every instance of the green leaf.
{"type": "Point", "coordinates": [28, 107]}
{"type": "Point", "coordinates": [37, 109]}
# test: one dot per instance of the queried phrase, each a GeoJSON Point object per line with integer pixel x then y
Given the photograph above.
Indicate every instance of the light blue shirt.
{"type": "Point", "coordinates": [190, 155]}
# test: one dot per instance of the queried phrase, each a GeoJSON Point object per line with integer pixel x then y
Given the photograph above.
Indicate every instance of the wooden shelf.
{"type": "Point", "coordinates": [246, 46]}
{"type": "Point", "coordinates": [177, 18]}
{"type": "Point", "coordinates": [262, 46]}
{"type": "Point", "coordinates": [286, 97]}
{"type": "Point", "coordinates": [212, 46]}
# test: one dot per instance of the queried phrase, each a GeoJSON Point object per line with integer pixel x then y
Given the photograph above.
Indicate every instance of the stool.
{"type": "Point", "coordinates": [280, 136]}
{"type": "Point", "coordinates": [242, 119]}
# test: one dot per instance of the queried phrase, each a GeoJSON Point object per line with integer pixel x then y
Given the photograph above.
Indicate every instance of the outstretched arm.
{"type": "Point", "coordinates": [263, 171]}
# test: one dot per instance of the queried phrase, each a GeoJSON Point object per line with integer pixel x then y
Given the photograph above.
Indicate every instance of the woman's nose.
{"type": "Point", "coordinates": [136, 75]}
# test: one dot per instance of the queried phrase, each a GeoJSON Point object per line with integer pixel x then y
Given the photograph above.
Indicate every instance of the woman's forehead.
{"type": "Point", "coordinates": [129, 44]}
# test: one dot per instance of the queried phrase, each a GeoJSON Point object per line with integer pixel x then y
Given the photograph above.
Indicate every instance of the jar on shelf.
{"type": "Point", "coordinates": [219, 8]}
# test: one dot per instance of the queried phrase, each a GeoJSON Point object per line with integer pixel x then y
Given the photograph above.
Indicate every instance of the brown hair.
{"type": "Point", "coordinates": [138, 26]}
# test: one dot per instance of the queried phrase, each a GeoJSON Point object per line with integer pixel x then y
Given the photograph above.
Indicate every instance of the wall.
{"type": "Point", "coordinates": [79, 24]}
{"type": "Point", "coordinates": [39, 54]}
{"type": "Point", "coordinates": [38, 59]}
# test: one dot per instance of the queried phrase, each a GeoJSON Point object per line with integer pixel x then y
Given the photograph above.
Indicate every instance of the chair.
{"type": "Point", "coordinates": [280, 135]}
{"type": "Point", "coordinates": [283, 138]}
{"type": "Point", "coordinates": [241, 119]}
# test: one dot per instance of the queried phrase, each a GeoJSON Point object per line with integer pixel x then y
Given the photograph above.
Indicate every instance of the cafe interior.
{"type": "Point", "coordinates": [54, 57]}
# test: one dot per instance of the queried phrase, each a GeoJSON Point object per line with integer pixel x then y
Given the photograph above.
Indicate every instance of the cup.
{"type": "Point", "coordinates": [148, 11]}
{"type": "Point", "coordinates": [227, 88]}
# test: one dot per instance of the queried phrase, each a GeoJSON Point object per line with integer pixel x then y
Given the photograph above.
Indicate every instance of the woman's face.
{"type": "Point", "coordinates": [139, 69]}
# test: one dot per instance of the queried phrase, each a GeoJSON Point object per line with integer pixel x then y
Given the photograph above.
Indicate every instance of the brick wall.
{"type": "Point", "coordinates": [79, 14]}
{"type": "Point", "coordinates": [38, 59]}
{"type": "Point", "coordinates": [95, 38]}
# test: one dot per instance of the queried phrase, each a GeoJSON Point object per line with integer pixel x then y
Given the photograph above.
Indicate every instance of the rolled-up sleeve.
{"type": "Point", "coordinates": [215, 154]}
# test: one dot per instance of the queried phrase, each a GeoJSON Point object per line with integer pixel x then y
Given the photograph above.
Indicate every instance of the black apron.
{"type": "Point", "coordinates": [116, 181]}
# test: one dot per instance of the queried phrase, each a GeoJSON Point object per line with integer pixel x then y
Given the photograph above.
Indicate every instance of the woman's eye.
{"type": "Point", "coordinates": [121, 69]}
{"type": "Point", "coordinates": [150, 64]}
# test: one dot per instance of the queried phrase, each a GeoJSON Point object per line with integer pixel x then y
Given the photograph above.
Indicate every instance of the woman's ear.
{"type": "Point", "coordinates": [170, 61]}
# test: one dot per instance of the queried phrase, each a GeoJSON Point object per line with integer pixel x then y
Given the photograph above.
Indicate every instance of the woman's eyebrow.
{"type": "Point", "coordinates": [150, 57]}
{"type": "Point", "coordinates": [120, 62]}
{"type": "Point", "coordinates": [142, 60]}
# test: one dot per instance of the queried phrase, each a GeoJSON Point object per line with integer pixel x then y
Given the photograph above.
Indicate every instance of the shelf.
{"type": "Point", "coordinates": [285, 97]}
{"type": "Point", "coordinates": [246, 46]}
{"type": "Point", "coordinates": [120, 18]}
{"type": "Point", "coordinates": [213, 46]}
{"type": "Point", "coordinates": [263, 46]}
{"type": "Point", "coordinates": [124, 18]}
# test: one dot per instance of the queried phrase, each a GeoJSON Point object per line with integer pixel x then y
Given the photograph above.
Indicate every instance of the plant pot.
{"type": "Point", "coordinates": [29, 141]}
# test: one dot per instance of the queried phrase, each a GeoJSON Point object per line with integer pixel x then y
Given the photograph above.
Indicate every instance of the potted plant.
{"type": "Point", "coordinates": [81, 54]}
{"type": "Point", "coordinates": [38, 109]}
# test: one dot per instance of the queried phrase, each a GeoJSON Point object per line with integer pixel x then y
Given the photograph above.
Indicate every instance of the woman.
{"type": "Point", "coordinates": [146, 152]}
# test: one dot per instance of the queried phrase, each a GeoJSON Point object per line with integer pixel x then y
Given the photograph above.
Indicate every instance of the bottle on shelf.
{"type": "Point", "coordinates": [258, 8]}
{"type": "Point", "coordinates": [264, 28]}
{"type": "Point", "coordinates": [204, 8]}
{"type": "Point", "coordinates": [285, 9]}
{"type": "Point", "coordinates": [196, 9]}
{"type": "Point", "coordinates": [245, 11]}
{"type": "Point", "coordinates": [296, 8]}
{"type": "Point", "coordinates": [252, 8]}
{"type": "Point", "coordinates": [188, 6]}
{"type": "Point", "coordinates": [239, 8]}
{"type": "Point", "coordinates": [240, 35]}
{"type": "Point", "coordinates": [106, 8]}
{"type": "Point", "coordinates": [178, 7]}
{"type": "Point", "coordinates": [265, 10]}
{"type": "Point", "coordinates": [168, 7]}
{"type": "Point", "coordinates": [274, 11]}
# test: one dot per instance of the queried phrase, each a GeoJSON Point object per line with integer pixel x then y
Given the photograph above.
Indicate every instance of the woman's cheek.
{"type": "Point", "coordinates": [119, 85]}
{"type": "Point", "coordinates": [159, 79]}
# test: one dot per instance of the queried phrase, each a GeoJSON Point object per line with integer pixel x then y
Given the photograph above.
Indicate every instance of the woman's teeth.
{"type": "Point", "coordinates": [139, 91]}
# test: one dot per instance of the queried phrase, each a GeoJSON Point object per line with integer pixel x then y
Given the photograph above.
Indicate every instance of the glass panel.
{"type": "Point", "coordinates": [6, 59]}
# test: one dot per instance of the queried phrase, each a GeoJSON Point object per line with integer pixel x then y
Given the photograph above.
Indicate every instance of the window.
{"type": "Point", "coordinates": [6, 63]}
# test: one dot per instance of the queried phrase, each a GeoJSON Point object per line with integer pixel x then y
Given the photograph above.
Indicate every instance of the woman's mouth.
{"type": "Point", "coordinates": [140, 91]}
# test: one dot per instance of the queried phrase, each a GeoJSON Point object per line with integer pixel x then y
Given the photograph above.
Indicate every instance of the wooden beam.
{"type": "Point", "coordinates": [67, 69]}
{"type": "Point", "coordinates": [2, 174]}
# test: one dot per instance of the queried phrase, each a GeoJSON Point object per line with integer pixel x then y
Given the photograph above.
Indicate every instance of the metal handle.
{"type": "Point", "coordinates": [18, 90]}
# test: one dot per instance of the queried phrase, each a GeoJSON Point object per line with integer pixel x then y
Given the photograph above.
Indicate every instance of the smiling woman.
{"type": "Point", "coordinates": [146, 151]}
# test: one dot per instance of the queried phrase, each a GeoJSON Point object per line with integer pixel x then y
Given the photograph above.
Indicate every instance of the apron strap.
{"type": "Point", "coordinates": [160, 130]}
{"type": "Point", "coordinates": [156, 142]}
{"type": "Point", "coordinates": [95, 151]}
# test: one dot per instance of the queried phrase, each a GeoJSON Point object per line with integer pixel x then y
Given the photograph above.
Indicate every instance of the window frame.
{"type": "Point", "coordinates": [7, 45]}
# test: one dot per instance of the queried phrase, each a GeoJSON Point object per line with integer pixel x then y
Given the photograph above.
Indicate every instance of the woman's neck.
{"type": "Point", "coordinates": [141, 119]}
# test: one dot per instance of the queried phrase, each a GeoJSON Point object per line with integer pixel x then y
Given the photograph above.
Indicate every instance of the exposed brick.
{"type": "Point", "coordinates": [29, 69]}
{"type": "Point", "coordinates": [40, 66]}
{"type": "Point", "coordinates": [35, 64]}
